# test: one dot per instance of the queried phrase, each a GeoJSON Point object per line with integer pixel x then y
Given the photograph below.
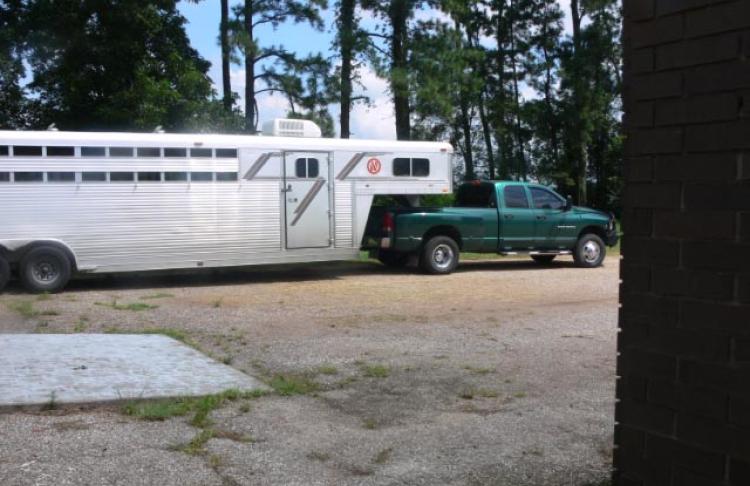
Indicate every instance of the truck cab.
{"type": "Point", "coordinates": [505, 217]}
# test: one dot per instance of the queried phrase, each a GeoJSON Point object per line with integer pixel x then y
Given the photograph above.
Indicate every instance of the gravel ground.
{"type": "Point", "coordinates": [500, 374]}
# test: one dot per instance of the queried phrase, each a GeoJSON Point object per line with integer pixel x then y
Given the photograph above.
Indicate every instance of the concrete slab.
{"type": "Point", "coordinates": [90, 368]}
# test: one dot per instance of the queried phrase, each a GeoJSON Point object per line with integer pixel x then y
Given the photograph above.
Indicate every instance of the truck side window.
{"type": "Point", "coordinates": [544, 199]}
{"type": "Point", "coordinates": [515, 197]}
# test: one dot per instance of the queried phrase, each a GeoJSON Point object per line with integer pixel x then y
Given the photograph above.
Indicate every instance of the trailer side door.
{"type": "Point", "coordinates": [307, 199]}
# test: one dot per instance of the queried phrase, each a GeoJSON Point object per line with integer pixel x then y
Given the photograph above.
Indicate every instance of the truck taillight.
{"type": "Point", "coordinates": [388, 223]}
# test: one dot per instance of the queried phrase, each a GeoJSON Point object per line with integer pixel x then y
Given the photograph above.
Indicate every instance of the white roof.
{"type": "Point", "coordinates": [208, 140]}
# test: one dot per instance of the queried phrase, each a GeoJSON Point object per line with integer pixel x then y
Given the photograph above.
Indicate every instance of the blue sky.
{"type": "Point", "coordinates": [373, 121]}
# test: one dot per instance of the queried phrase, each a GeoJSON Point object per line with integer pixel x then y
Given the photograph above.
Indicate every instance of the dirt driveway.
{"type": "Point", "coordinates": [500, 374]}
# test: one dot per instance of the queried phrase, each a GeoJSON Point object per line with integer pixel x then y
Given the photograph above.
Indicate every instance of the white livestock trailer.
{"type": "Point", "coordinates": [123, 202]}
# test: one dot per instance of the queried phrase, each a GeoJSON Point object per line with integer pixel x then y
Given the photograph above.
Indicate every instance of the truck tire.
{"type": "Point", "coordinates": [439, 256]}
{"type": "Point", "coordinates": [45, 269]}
{"type": "Point", "coordinates": [393, 259]}
{"type": "Point", "coordinates": [543, 259]}
{"type": "Point", "coordinates": [4, 272]}
{"type": "Point", "coordinates": [589, 251]}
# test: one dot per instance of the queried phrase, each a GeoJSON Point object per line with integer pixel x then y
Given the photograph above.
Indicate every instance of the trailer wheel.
{"type": "Point", "coordinates": [543, 259]}
{"type": "Point", "coordinates": [590, 251]}
{"type": "Point", "coordinates": [45, 269]}
{"type": "Point", "coordinates": [439, 255]}
{"type": "Point", "coordinates": [393, 259]}
{"type": "Point", "coordinates": [4, 272]}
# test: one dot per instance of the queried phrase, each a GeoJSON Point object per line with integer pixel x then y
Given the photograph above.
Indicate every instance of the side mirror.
{"type": "Point", "coordinates": [568, 203]}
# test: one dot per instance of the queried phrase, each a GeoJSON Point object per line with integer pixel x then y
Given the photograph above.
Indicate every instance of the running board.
{"type": "Point", "coordinates": [561, 252]}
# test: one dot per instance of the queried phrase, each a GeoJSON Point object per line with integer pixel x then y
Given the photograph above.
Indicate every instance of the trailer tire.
{"type": "Point", "coordinates": [4, 272]}
{"type": "Point", "coordinates": [590, 251]}
{"type": "Point", "coordinates": [45, 269]}
{"type": "Point", "coordinates": [543, 259]}
{"type": "Point", "coordinates": [393, 259]}
{"type": "Point", "coordinates": [439, 255]}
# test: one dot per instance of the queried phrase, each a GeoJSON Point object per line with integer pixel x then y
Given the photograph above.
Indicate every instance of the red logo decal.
{"type": "Point", "coordinates": [374, 166]}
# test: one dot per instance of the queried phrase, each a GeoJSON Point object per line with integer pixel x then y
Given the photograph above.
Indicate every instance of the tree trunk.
{"type": "Point", "coordinates": [579, 151]}
{"type": "Point", "coordinates": [250, 124]}
{"type": "Point", "coordinates": [225, 72]}
{"type": "Point", "coordinates": [399, 15]}
{"type": "Point", "coordinates": [501, 129]}
{"type": "Point", "coordinates": [520, 153]}
{"type": "Point", "coordinates": [346, 34]}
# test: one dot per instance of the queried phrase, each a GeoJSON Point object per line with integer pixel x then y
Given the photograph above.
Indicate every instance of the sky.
{"type": "Point", "coordinates": [373, 121]}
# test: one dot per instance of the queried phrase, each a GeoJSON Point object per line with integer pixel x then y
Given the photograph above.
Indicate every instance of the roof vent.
{"type": "Point", "coordinates": [281, 127]}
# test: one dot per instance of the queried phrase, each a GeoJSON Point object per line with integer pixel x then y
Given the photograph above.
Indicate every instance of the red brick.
{"type": "Point", "coordinates": [640, 10]}
{"type": "Point", "coordinates": [662, 30]}
{"type": "Point", "coordinates": [716, 256]}
{"type": "Point", "coordinates": [647, 251]}
{"type": "Point", "coordinates": [719, 18]}
{"type": "Point", "coordinates": [664, 7]}
{"type": "Point", "coordinates": [692, 283]}
{"type": "Point", "coordinates": [701, 402]}
{"type": "Point", "coordinates": [715, 225]}
{"type": "Point", "coordinates": [728, 317]}
{"type": "Point", "coordinates": [696, 167]}
{"type": "Point", "coordinates": [718, 136]}
{"type": "Point", "coordinates": [743, 289]}
{"type": "Point", "coordinates": [686, 343]}
{"type": "Point", "coordinates": [647, 364]}
{"type": "Point", "coordinates": [660, 85]}
{"type": "Point", "coordinates": [742, 347]}
{"type": "Point", "coordinates": [637, 221]}
{"type": "Point", "coordinates": [698, 109]}
{"type": "Point", "coordinates": [713, 434]}
{"type": "Point", "coordinates": [729, 378]}
{"type": "Point", "coordinates": [717, 196]}
{"type": "Point", "coordinates": [734, 75]}
{"type": "Point", "coordinates": [641, 61]}
{"type": "Point", "coordinates": [739, 410]}
{"type": "Point", "coordinates": [698, 460]}
{"type": "Point", "coordinates": [659, 195]}
{"type": "Point", "coordinates": [699, 51]}
{"type": "Point", "coordinates": [739, 472]}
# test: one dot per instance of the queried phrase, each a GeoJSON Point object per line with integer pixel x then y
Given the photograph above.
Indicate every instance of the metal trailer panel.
{"type": "Point", "coordinates": [114, 227]}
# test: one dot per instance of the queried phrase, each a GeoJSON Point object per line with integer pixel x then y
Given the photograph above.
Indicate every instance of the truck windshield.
{"type": "Point", "coordinates": [476, 196]}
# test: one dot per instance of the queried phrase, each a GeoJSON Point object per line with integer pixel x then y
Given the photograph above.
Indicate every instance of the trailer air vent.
{"type": "Point", "coordinates": [292, 128]}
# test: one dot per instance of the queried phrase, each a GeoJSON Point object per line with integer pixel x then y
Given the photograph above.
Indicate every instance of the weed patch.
{"type": "Point", "coordinates": [375, 371]}
{"type": "Point", "coordinates": [383, 456]}
{"type": "Point", "coordinates": [159, 295]}
{"type": "Point", "coordinates": [327, 370]}
{"type": "Point", "coordinates": [201, 406]}
{"type": "Point", "coordinates": [24, 308]}
{"type": "Point", "coordinates": [133, 306]}
{"type": "Point", "coordinates": [287, 385]}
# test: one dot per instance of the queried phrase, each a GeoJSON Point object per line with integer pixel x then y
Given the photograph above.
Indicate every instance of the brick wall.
{"type": "Point", "coordinates": [683, 390]}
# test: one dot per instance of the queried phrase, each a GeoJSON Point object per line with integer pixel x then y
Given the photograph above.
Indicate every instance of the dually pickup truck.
{"type": "Point", "coordinates": [502, 217]}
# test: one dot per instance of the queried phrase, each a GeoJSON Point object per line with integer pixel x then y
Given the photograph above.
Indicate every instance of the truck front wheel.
{"type": "Point", "coordinates": [439, 255]}
{"type": "Point", "coordinates": [589, 251]}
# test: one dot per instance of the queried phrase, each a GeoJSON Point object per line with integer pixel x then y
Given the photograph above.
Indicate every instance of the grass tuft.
{"type": "Point", "coordinates": [369, 424]}
{"type": "Point", "coordinates": [25, 308]}
{"type": "Point", "coordinates": [383, 456]}
{"type": "Point", "coordinates": [375, 371]}
{"type": "Point", "coordinates": [327, 369]}
{"type": "Point", "coordinates": [158, 295]}
{"type": "Point", "coordinates": [133, 307]}
{"type": "Point", "coordinates": [287, 385]}
{"type": "Point", "coordinates": [159, 410]}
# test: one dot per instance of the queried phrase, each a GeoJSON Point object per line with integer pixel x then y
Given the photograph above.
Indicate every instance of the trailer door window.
{"type": "Point", "coordinates": [93, 151]}
{"type": "Point", "coordinates": [94, 177]}
{"type": "Point", "coordinates": [307, 168]}
{"type": "Point", "coordinates": [61, 176]}
{"type": "Point", "coordinates": [29, 177]}
{"type": "Point", "coordinates": [121, 177]}
{"type": "Point", "coordinates": [405, 167]}
{"type": "Point", "coordinates": [27, 151]}
{"type": "Point", "coordinates": [60, 152]}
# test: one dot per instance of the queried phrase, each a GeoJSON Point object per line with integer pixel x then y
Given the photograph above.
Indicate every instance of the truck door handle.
{"type": "Point", "coordinates": [508, 216]}
{"type": "Point", "coordinates": [541, 218]}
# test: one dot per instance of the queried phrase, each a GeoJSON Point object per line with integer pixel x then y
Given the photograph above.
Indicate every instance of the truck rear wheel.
{"type": "Point", "coordinates": [590, 251]}
{"type": "Point", "coordinates": [45, 269]}
{"type": "Point", "coordinates": [439, 255]}
{"type": "Point", "coordinates": [4, 272]}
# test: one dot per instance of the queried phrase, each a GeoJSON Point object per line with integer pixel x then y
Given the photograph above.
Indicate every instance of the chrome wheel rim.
{"type": "Point", "coordinates": [443, 256]}
{"type": "Point", "coordinates": [45, 271]}
{"type": "Point", "coordinates": [591, 252]}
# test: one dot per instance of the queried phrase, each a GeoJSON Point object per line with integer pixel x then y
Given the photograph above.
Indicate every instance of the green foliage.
{"type": "Point", "coordinates": [286, 385]}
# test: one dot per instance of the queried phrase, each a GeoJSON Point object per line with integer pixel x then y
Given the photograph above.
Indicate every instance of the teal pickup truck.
{"type": "Point", "coordinates": [502, 217]}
